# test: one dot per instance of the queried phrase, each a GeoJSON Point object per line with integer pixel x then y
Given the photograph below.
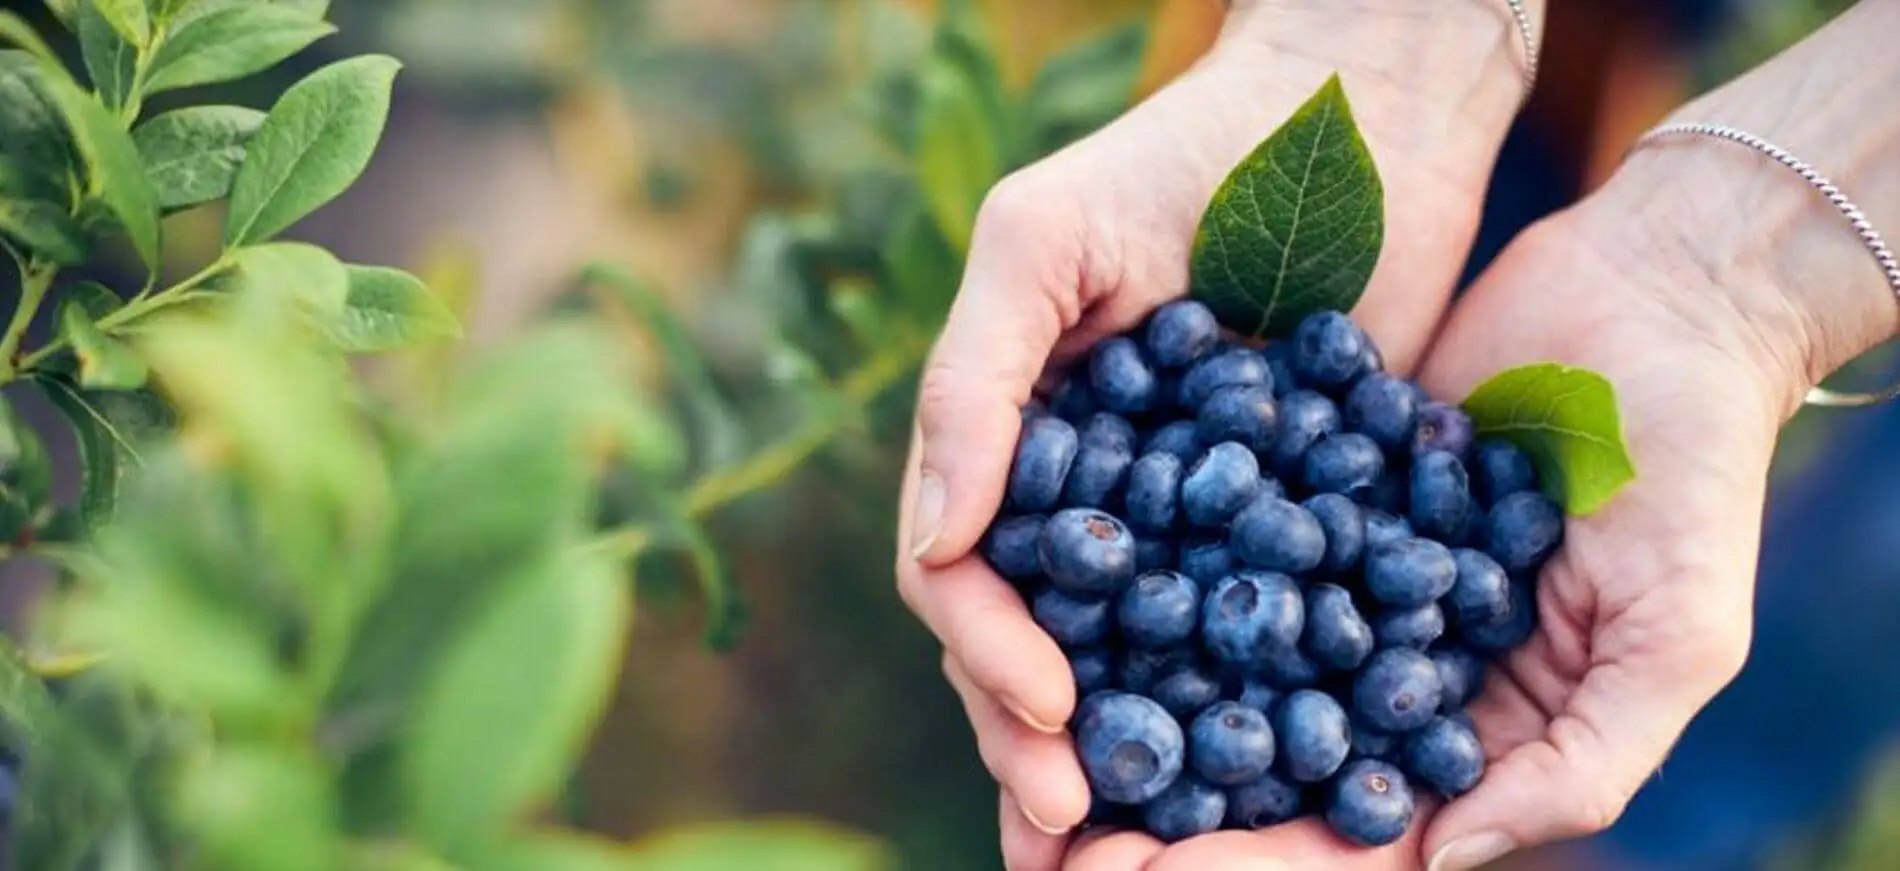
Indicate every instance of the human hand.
{"type": "Point", "coordinates": [1087, 242]}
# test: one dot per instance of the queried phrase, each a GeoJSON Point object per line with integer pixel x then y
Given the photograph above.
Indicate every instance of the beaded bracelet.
{"type": "Point", "coordinates": [1871, 238]}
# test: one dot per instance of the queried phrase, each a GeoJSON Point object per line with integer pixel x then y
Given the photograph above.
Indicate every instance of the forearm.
{"type": "Point", "coordinates": [1732, 218]}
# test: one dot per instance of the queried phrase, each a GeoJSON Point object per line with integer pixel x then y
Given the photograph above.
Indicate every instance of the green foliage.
{"type": "Point", "coordinates": [1867, 839]}
{"type": "Point", "coordinates": [192, 155]}
{"type": "Point", "coordinates": [1566, 419]}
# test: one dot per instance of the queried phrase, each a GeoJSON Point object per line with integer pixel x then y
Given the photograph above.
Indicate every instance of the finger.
{"type": "Point", "coordinates": [1039, 770]}
{"type": "Point", "coordinates": [1303, 845]}
{"type": "Point", "coordinates": [987, 629]}
{"type": "Point", "coordinates": [1025, 847]}
{"type": "Point", "coordinates": [1019, 293]}
{"type": "Point", "coordinates": [1110, 850]}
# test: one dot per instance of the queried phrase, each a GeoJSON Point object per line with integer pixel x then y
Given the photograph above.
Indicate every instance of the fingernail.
{"type": "Point", "coordinates": [1030, 720]}
{"type": "Point", "coordinates": [1041, 826]}
{"type": "Point", "coordinates": [927, 518]}
{"type": "Point", "coordinates": [1472, 851]}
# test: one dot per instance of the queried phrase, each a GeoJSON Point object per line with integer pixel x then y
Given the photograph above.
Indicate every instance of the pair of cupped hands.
{"type": "Point", "coordinates": [1645, 612]}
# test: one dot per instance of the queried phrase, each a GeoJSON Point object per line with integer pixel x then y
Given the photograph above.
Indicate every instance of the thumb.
{"type": "Point", "coordinates": [1019, 293]}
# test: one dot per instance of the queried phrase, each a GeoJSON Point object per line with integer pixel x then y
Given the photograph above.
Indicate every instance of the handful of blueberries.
{"type": "Point", "coordinates": [1277, 574]}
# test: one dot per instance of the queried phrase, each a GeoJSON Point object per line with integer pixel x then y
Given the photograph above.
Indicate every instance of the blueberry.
{"type": "Point", "coordinates": [1313, 734]}
{"type": "Point", "coordinates": [1124, 382]}
{"type": "Point", "coordinates": [1074, 400]}
{"type": "Point", "coordinates": [1153, 554]}
{"type": "Point", "coordinates": [1343, 463]}
{"type": "Point", "coordinates": [1374, 361]}
{"type": "Point", "coordinates": [1176, 438]}
{"type": "Point", "coordinates": [1131, 749]}
{"type": "Point", "coordinates": [1268, 801]}
{"type": "Point", "coordinates": [1249, 612]}
{"type": "Point", "coordinates": [1010, 546]}
{"type": "Point", "coordinates": [1344, 523]}
{"type": "Point", "coordinates": [1284, 666]}
{"type": "Point", "coordinates": [1329, 350]}
{"type": "Point", "coordinates": [1153, 499]}
{"type": "Point", "coordinates": [1522, 531]}
{"type": "Point", "coordinates": [1336, 636]}
{"type": "Point", "coordinates": [1187, 690]}
{"type": "Point", "coordinates": [1087, 554]}
{"type": "Point", "coordinates": [1260, 696]}
{"type": "Point", "coordinates": [1219, 484]}
{"type": "Point", "coordinates": [1279, 357]}
{"type": "Point", "coordinates": [1188, 807]}
{"type": "Point", "coordinates": [1247, 415]}
{"type": "Point", "coordinates": [1415, 628]}
{"type": "Point", "coordinates": [1305, 418]}
{"type": "Point", "coordinates": [1071, 622]}
{"type": "Point", "coordinates": [1093, 668]}
{"type": "Point", "coordinates": [1106, 450]}
{"type": "Point", "coordinates": [1499, 468]}
{"type": "Point", "coordinates": [1440, 495]}
{"type": "Point", "coordinates": [1370, 803]}
{"type": "Point", "coordinates": [1388, 493]}
{"type": "Point", "coordinates": [1141, 669]}
{"type": "Point", "coordinates": [1277, 536]}
{"type": "Point", "coordinates": [1446, 756]}
{"type": "Point", "coordinates": [1410, 572]}
{"type": "Point", "coordinates": [1207, 560]}
{"type": "Point", "coordinates": [1159, 609]}
{"type": "Point", "coordinates": [1460, 674]}
{"type": "Point", "coordinates": [1230, 744]}
{"type": "Point", "coordinates": [1234, 367]}
{"type": "Point", "coordinates": [1384, 528]}
{"type": "Point", "coordinates": [1181, 332]}
{"type": "Point", "coordinates": [1384, 407]}
{"type": "Point", "coordinates": [1043, 457]}
{"type": "Point", "coordinates": [1482, 591]}
{"type": "Point", "coordinates": [1397, 691]}
{"type": "Point", "coordinates": [1442, 426]}
{"type": "Point", "coordinates": [1373, 744]}
{"type": "Point", "coordinates": [1503, 636]}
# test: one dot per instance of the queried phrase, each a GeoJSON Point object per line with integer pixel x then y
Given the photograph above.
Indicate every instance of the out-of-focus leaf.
{"type": "Point", "coordinates": [1085, 87]}
{"type": "Point", "coordinates": [68, 791]}
{"type": "Point", "coordinates": [788, 845]}
{"type": "Point", "coordinates": [26, 475]}
{"type": "Point", "coordinates": [959, 152]}
{"type": "Point", "coordinates": [923, 269]}
{"type": "Point", "coordinates": [261, 806]}
{"type": "Point", "coordinates": [16, 30]}
{"type": "Point", "coordinates": [293, 271]}
{"type": "Point", "coordinates": [388, 309]}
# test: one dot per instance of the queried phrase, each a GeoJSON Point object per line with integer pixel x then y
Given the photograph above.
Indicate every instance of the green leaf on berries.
{"type": "Point", "coordinates": [192, 155]}
{"type": "Point", "coordinates": [231, 44]}
{"type": "Point", "coordinates": [1087, 86]}
{"type": "Point", "coordinates": [315, 143]}
{"type": "Point", "coordinates": [1566, 419]}
{"type": "Point", "coordinates": [105, 363]}
{"type": "Point", "coordinates": [1296, 228]}
{"type": "Point", "coordinates": [115, 175]}
{"type": "Point", "coordinates": [389, 309]}
{"type": "Point", "coordinates": [958, 152]}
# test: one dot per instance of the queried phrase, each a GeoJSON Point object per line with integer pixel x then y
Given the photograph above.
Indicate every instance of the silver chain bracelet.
{"type": "Point", "coordinates": [1528, 32]}
{"type": "Point", "coordinates": [1871, 238]}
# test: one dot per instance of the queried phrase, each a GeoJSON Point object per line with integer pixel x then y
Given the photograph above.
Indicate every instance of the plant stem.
{"type": "Point", "coordinates": [179, 293]}
{"type": "Point", "coordinates": [37, 280]}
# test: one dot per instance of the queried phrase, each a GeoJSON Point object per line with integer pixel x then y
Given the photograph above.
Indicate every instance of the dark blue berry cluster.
{"type": "Point", "coordinates": [1278, 575]}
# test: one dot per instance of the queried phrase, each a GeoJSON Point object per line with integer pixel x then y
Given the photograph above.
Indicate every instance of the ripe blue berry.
{"type": "Point", "coordinates": [1415, 628]}
{"type": "Point", "coordinates": [1409, 573]}
{"type": "Point", "coordinates": [1219, 484]}
{"type": "Point", "coordinates": [1249, 612]}
{"type": "Point", "coordinates": [1305, 418]}
{"type": "Point", "coordinates": [1522, 531]}
{"type": "Point", "coordinates": [1131, 749]}
{"type": "Point", "coordinates": [1230, 744]}
{"type": "Point", "coordinates": [1374, 361]}
{"type": "Point", "coordinates": [1187, 690]}
{"type": "Point", "coordinates": [1124, 382]}
{"type": "Point", "coordinates": [1246, 415]}
{"type": "Point", "coordinates": [1279, 357]}
{"type": "Point", "coordinates": [1344, 463]}
{"type": "Point", "coordinates": [1383, 407]}
{"type": "Point", "coordinates": [1277, 536]}
{"type": "Point", "coordinates": [1313, 736]}
{"type": "Point", "coordinates": [1010, 546]}
{"type": "Point", "coordinates": [1181, 332]}
{"type": "Point", "coordinates": [1268, 801]}
{"type": "Point", "coordinates": [1093, 669]}
{"type": "Point", "coordinates": [1140, 669]}
{"type": "Point", "coordinates": [1440, 495]}
{"type": "Point", "coordinates": [1074, 400]}
{"type": "Point", "coordinates": [1442, 426]}
{"type": "Point", "coordinates": [1460, 674]}
{"type": "Point", "coordinates": [1500, 637]}
{"type": "Point", "coordinates": [1207, 559]}
{"type": "Point", "coordinates": [1188, 807]}
{"type": "Point", "coordinates": [1043, 456]}
{"type": "Point", "coordinates": [1336, 637]}
{"type": "Point", "coordinates": [1159, 610]}
{"type": "Point", "coordinates": [1344, 523]}
{"type": "Point", "coordinates": [1329, 350]}
{"type": "Point", "coordinates": [1482, 591]}
{"type": "Point", "coordinates": [1499, 468]}
{"type": "Point", "coordinates": [1176, 438]}
{"type": "Point", "coordinates": [1106, 450]}
{"type": "Point", "coordinates": [1234, 367]}
{"type": "Point", "coordinates": [1370, 803]}
{"type": "Point", "coordinates": [1445, 756]}
{"type": "Point", "coordinates": [1260, 696]}
{"type": "Point", "coordinates": [1384, 528]}
{"type": "Point", "coordinates": [1071, 622]}
{"type": "Point", "coordinates": [1153, 500]}
{"type": "Point", "coordinates": [1397, 691]}
{"type": "Point", "coordinates": [1087, 554]}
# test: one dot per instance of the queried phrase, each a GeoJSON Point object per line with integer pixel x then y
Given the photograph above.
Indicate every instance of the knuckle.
{"type": "Point", "coordinates": [1014, 205]}
{"type": "Point", "coordinates": [937, 391]}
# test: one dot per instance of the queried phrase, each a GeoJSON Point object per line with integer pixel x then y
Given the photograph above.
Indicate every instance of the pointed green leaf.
{"type": "Point", "coordinates": [1087, 86]}
{"type": "Point", "coordinates": [105, 363]}
{"type": "Point", "coordinates": [231, 44]}
{"type": "Point", "coordinates": [64, 10]}
{"type": "Point", "coordinates": [958, 155]}
{"type": "Point", "coordinates": [111, 61]}
{"type": "Point", "coordinates": [16, 30]}
{"type": "Point", "coordinates": [45, 229]}
{"type": "Point", "coordinates": [192, 155]}
{"type": "Point", "coordinates": [520, 688]}
{"type": "Point", "coordinates": [295, 271]}
{"type": "Point", "coordinates": [116, 177]}
{"type": "Point", "coordinates": [389, 309]}
{"type": "Point", "coordinates": [128, 17]}
{"type": "Point", "coordinates": [31, 131]}
{"type": "Point", "coordinates": [317, 140]}
{"type": "Point", "coordinates": [1567, 420]}
{"type": "Point", "coordinates": [108, 428]}
{"type": "Point", "coordinates": [1296, 228]}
